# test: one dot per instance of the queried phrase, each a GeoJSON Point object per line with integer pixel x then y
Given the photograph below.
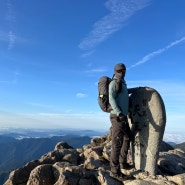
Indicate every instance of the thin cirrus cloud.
{"type": "Point", "coordinates": [11, 38]}
{"type": "Point", "coordinates": [157, 52]}
{"type": "Point", "coordinates": [15, 75]}
{"type": "Point", "coordinates": [120, 11]}
{"type": "Point", "coordinates": [39, 105]}
{"type": "Point", "coordinates": [81, 95]}
{"type": "Point", "coordinates": [97, 70]}
{"type": "Point", "coordinates": [10, 17]}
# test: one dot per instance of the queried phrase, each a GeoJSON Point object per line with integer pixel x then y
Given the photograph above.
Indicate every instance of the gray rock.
{"type": "Point", "coordinates": [41, 175]}
{"type": "Point", "coordinates": [172, 162]}
{"type": "Point", "coordinates": [90, 165]}
{"type": "Point", "coordinates": [177, 179]}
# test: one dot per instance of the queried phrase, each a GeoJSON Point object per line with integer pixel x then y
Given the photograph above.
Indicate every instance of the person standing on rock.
{"type": "Point", "coordinates": [120, 130]}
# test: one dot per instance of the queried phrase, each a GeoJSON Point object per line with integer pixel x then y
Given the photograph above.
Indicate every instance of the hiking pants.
{"type": "Point", "coordinates": [121, 137]}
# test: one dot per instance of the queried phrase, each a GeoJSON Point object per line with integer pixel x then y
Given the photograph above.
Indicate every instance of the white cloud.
{"type": "Point", "coordinates": [39, 105]}
{"type": "Point", "coordinates": [157, 52]}
{"type": "Point", "coordinates": [11, 39]}
{"type": "Point", "coordinates": [14, 79]}
{"type": "Point", "coordinates": [96, 121]}
{"type": "Point", "coordinates": [120, 11]}
{"type": "Point", "coordinates": [176, 138]}
{"type": "Point", "coordinates": [97, 70]}
{"type": "Point", "coordinates": [10, 16]}
{"type": "Point", "coordinates": [11, 20]}
{"type": "Point", "coordinates": [87, 54]}
{"type": "Point", "coordinates": [81, 95]}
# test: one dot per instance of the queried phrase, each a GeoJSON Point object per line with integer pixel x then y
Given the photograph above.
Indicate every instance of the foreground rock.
{"type": "Point", "coordinates": [90, 165]}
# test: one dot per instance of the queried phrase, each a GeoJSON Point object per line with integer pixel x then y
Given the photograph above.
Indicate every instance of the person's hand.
{"type": "Point", "coordinates": [122, 117]}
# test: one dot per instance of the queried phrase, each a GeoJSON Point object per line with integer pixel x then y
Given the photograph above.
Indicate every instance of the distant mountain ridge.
{"type": "Point", "coordinates": [90, 165]}
{"type": "Point", "coordinates": [181, 146]}
{"type": "Point", "coordinates": [20, 151]}
{"type": "Point", "coordinates": [20, 133]}
{"type": "Point", "coordinates": [23, 145]}
{"type": "Point", "coordinates": [14, 153]}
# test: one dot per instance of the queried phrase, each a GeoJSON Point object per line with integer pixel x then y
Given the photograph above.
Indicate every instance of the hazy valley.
{"type": "Point", "coordinates": [18, 146]}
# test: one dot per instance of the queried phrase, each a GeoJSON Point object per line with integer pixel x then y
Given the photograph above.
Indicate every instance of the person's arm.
{"type": "Point", "coordinates": [112, 98]}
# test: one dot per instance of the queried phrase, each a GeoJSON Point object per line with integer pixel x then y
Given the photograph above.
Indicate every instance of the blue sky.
{"type": "Point", "coordinates": [52, 54]}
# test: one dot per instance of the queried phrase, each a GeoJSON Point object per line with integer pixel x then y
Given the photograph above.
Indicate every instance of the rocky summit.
{"type": "Point", "coordinates": [89, 165]}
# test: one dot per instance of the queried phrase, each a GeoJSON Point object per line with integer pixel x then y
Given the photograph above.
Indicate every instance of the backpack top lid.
{"type": "Point", "coordinates": [103, 85]}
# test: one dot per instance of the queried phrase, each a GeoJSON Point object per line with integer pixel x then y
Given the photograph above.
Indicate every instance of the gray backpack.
{"type": "Point", "coordinates": [103, 91]}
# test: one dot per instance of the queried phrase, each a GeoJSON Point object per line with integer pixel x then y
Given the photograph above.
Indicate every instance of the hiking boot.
{"type": "Point", "coordinates": [124, 166]}
{"type": "Point", "coordinates": [118, 176]}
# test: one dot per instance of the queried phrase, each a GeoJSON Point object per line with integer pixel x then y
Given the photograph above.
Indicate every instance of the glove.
{"type": "Point", "coordinates": [122, 117]}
